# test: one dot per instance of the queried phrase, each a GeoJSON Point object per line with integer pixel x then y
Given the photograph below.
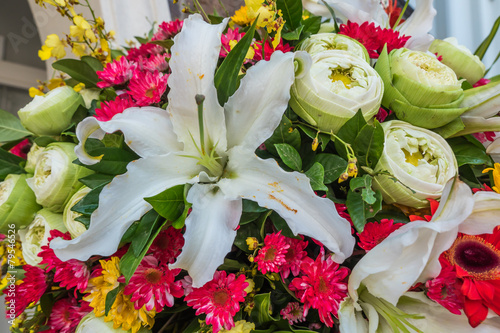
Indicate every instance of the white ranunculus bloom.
{"type": "Point", "coordinates": [74, 227]}
{"type": "Point", "coordinates": [220, 164]}
{"type": "Point", "coordinates": [32, 158]}
{"type": "Point", "coordinates": [331, 41]}
{"type": "Point", "coordinates": [92, 324]}
{"type": "Point", "coordinates": [37, 234]}
{"type": "Point", "coordinates": [336, 86]}
{"type": "Point", "coordinates": [420, 160]}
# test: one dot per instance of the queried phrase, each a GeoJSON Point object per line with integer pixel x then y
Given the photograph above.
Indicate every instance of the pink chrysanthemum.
{"type": "Point", "coordinates": [323, 286]}
{"type": "Point", "coordinates": [168, 30]}
{"type": "Point", "coordinates": [272, 255]}
{"type": "Point", "coordinates": [219, 299]}
{"type": "Point", "coordinates": [69, 274]}
{"type": "Point", "coordinates": [66, 315]}
{"type": "Point", "coordinates": [154, 63]}
{"type": "Point", "coordinates": [116, 73]}
{"type": "Point", "coordinates": [376, 232]}
{"type": "Point", "coordinates": [21, 149]}
{"type": "Point", "coordinates": [293, 257]}
{"type": "Point", "coordinates": [30, 290]}
{"type": "Point", "coordinates": [144, 51]}
{"type": "Point", "coordinates": [167, 245]}
{"type": "Point", "coordinates": [109, 109]}
{"type": "Point", "coordinates": [147, 88]}
{"type": "Point", "coordinates": [231, 35]}
{"type": "Point", "coordinates": [269, 50]}
{"type": "Point", "coordinates": [153, 285]}
{"type": "Point", "coordinates": [293, 312]}
{"type": "Point", "coordinates": [445, 289]}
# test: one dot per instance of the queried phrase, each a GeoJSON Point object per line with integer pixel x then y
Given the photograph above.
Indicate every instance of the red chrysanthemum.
{"type": "Point", "coordinates": [485, 136]}
{"type": "Point", "coordinates": [269, 50]}
{"type": "Point", "coordinates": [476, 260]}
{"type": "Point", "coordinates": [323, 287]}
{"type": "Point", "coordinates": [484, 188]}
{"type": "Point", "coordinates": [231, 35]}
{"type": "Point", "coordinates": [434, 206]}
{"type": "Point", "coordinates": [147, 88]}
{"type": "Point", "coordinates": [21, 149]}
{"type": "Point", "coordinates": [168, 30]}
{"type": "Point", "coordinates": [109, 109]}
{"type": "Point", "coordinates": [272, 255]}
{"type": "Point", "coordinates": [219, 299]}
{"type": "Point", "coordinates": [154, 63]}
{"type": "Point", "coordinates": [445, 289]}
{"type": "Point", "coordinates": [66, 315]}
{"type": "Point", "coordinates": [30, 290]}
{"type": "Point", "coordinates": [376, 232]}
{"type": "Point", "coordinates": [382, 114]}
{"type": "Point", "coordinates": [167, 245]}
{"type": "Point", "coordinates": [116, 73]}
{"type": "Point", "coordinates": [153, 285]}
{"type": "Point", "coordinates": [294, 256]}
{"type": "Point", "coordinates": [293, 312]}
{"type": "Point", "coordinates": [144, 51]}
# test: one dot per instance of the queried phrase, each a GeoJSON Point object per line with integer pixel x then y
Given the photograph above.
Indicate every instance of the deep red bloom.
{"type": "Point", "coordinates": [445, 289]}
{"type": "Point", "coordinates": [293, 257]}
{"type": "Point", "coordinates": [116, 73]}
{"type": "Point", "coordinates": [434, 206]}
{"type": "Point", "coordinates": [144, 51]}
{"type": "Point", "coordinates": [167, 245]}
{"type": "Point", "coordinates": [168, 30]}
{"type": "Point", "coordinates": [485, 136]}
{"type": "Point", "coordinates": [272, 255]}
{"type": "Point", "coordinates": [268, 50]}
{"type": "Point", "coordinates": [484, 188]}
{"type": "Point", "coordinates": [21, 149]}
{"type": "Point", "coordinates": [323, 287]}
{"type": "Point", "coordinates": [147, 88]}
{"type": "Point", "coordinates": [66, 315]}
{"type": "Point", "coordinates": [293, 312]}
{"type": "Point", "coordinates": [376, 232]}
{"type": "Point", "coordinates": [154, 63]}
{"type": "Point", "coordinates": [109, 109]}
{"type": "Point", "coordinates": [30, 290]}
{"type": "Point", "coordinates": [481, 82]}
{"type": "Point", "coordinates": [219, 299]}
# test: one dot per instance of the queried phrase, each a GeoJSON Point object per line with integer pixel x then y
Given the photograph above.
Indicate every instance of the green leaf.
{"type": "Point", "coordinates": [485, 44]}
{"type": "Point", "coordinates": [252, 207]}
{"type": "Point", "coordinates": [280, 224]}
{"type": "Point", "coordinates": [369, 145]}
{"type": "Point", "coordinates": [10, 163]}
{"type": "Point", "coordinates": [333, 166]}
{"type": "Point", "coordinates": [312, 24]}
{"type": "Point", "coordinates": [231, 265]}
{"type": "Point", "coordinates": [293, 35]}
{"type": "Point", "coordinates": [96, 179]}
{"type": "Point", "coordinates": [284, 133]}
{"type": "Point", "coordinates": [44, 141]}
{"type": "Point", "coordinates": [93, 62]}
{"type": "Point", "coordinates": [359, 210]}
{"type": "Point", "coordinates": [226, 77]}
{"type": "Point", "coordinates": [467, 152]}
{"type": "Point", "coordinates": [169, 203]}
{"type": "Point", "coordinates": [245, 231]}
{"type": "Point", "coordinates": [291, 11]}
{"type": "Point", "coordinates": [167, 44]}
{"type": "Point", "coordinates": [110, 299]}
{"type": "Point", "coordinates": [88, 203]}
{"type": "Point", "coordinates": [78, 70]}
{"type": "Point", "coordinates": [84, 219]}
{"type": "Point", "coordinates": [316, 175]}
{"type": "Point", "coordinates": [365, 184]}
{"type": "Point", "coordinates": [11, 128]}
{"type": "Point", "coordinates": [143, 231]}
{"type": "Point", "coordinates": [289, 155]}
{"type": "Point", "coordinates": [349, 132]}
{"type": "Point", "coordinates": [47, 302]}
{"type": "Point", "coordinates": [261, 313]}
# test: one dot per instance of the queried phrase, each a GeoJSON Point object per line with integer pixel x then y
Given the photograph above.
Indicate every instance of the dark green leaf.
{"type": "Point", "coordinates": [365, 184]}
{"type": "Point", "coordinates": [114, 160]}
{"type": "Point", "coordinates": [9, 163]}
{"type": "Point", "coordinates": [289, 155]}
{"type": "Point", "coordinates": [485, 44]}
{"type": "Point", "coordinates": [84, 219]}
{"type": "Point", "coordinates": [129, 234]}
{"type": "Point", "coordinates": [333, 166]}
{"type": "Point", "coordinates": [359, 210]}
{"type": "Point", "coordinates": [284, 133]}
{"type": "Point", "coordinates": [44, 141]}
{"type": "Point", "coordinates": [291, 11]}
{"type": "Point", "coordinates": [252, 207]}
{"type": "Point", "coordinates": [110, 299]}
{"type": "Point", "coordinates": [312, 24]}
{"type": "Point", "coordinates": [248, 217]}
{"type": "Point", "coordinates": [280, 224]}
{"type": "Point", "coordinates": [261, 311]}
{"type": "Point", "coordinates": [93, 62]}
{"type": "Point", "coordinates": [245, 231]}
{"type": "Point", "coordinates": [96, 179]}
{"type": "Point", "coordinates": [332, 12]}
{"type": "Point", "coordinates": [78, 70]}
{"type": "Point", "coordinates": [232, 265]}
{"type": "Point", "coordinates": [316, 175]}
{"type": "Point", "coordinates": [293, 35]}
{"type": "Point", "coordinates": [349, 132]}
{"type": "Point", "coordinates": [226, 77]}
{"type": "Point", "coordinates": [47, 302]}
{"type": "Point", "coordinates": [468, 175]}
{"type": "Point", "coordinates": [467, 152]}
{"type": "Point", "coordinates": [179, 223]}
{"type": "Point", "coordinates": [165, 43]}
{"type": "Point", "coordinates": [11, 128]}
{"type": "Point", "coordinates": [193, 327]}
{"type": "Point", "coordinates": [169, 203]}
{"type": "Point", "coordinates": [88, 203]}
{"type": "Point", "coordinates": [369, 144]}
{"type": "Point", "coordinates": [141, 40]}
{"type": "Point", "coordinates": [143, 232]}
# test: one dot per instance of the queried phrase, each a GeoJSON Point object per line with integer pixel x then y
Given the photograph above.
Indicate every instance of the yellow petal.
{"type": "Point", "coordinates": [45, 53]}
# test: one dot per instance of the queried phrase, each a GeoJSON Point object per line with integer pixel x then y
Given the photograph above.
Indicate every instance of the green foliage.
{"type": "Point", "coordinates": [289, 155]}
{"type": "Point", "coordinates": [362, 202]}
{"type": "Point", "coordinates": [169, 203]}
{"type": "Point", "coordinates": [79, 70]}
{"type": "Point", "coordinates": [11, 128]}
{"type": "Point", "coordinates": [468, 150]}
{"type": "Point", "coordinates": [10, 163]}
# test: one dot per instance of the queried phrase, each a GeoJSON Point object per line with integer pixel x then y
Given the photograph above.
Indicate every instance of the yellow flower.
{"type": "Point", "coordinates": [99, 286]}
{"type": "Point", "coordinates": [241, 326]}
{"type": "Point", "coordinates": [240, 17]}
{"type": "Point", "coordinates": [252, 243]}
{"type": "Point", "coordinates": [251, 52]}
{"type": "Point", "coordinates": [57, 46]}
{"type": "Point", "coordinates": [79, 49]}
{"type": "Point", "coordinates": [105, 49]}
{"type": "Point", "coordinates": [82, 29]}
{"type": "Point", "coordinates": [79, 87]}
{"type": "Point", "coordinates": [124, 315]}
{"type": "Point", "coordinates": [45, 53]}
{"type": "Point", "coordinates": [496, 176]}
{"type": "Point", "coordinates": [35, 92]}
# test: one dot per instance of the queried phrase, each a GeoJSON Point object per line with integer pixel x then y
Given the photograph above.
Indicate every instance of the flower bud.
{"type": "Point", "coordinates": [335, 87]}
{"type": "Point", "coordinates": [89, 95]}
{"type": "Point", "coordinates": [37, 234]}
{"type": "Point", "coordinates": [56, 176]}
{"type": "Point", "coordinates": [415, 165]}
{"type": "Point", "coordinates": [32, 157]}
{"type": "Point", "coordinates": [91, 324]}
{"type": "Point", "coordinates": [459, 58]}
{"type": "Point", "coordinates": [331, 41]}
{"type": "Point", "coordinates": [17, 203]}
{"type": "Point", "coordinates": [52, 113]}
{"type": "Point", "coordinates": [74, 227]}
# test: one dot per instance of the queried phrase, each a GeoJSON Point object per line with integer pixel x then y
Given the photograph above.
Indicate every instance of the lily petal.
{"type": "Point", "coordinates": [256, 108]}
{"type": "Point", "coordinates": [194, 58]}
{"type": "Point", "coordinates": [210, 232]}
{"type": "Point", "coordinates": [121, 203]}
{"type": "Point", "coordinates": [148, 130]}
{"type": "Point", "coordinates": [291, 196]}
{"type": "Point", "coordinates": [418, 26]}
{"type": "Point", "coordinates": [88, 128]}
{"type": "Point", "coordinates": [484, 217]}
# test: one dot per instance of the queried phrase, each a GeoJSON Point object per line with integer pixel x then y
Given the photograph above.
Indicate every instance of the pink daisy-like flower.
{"type": "Point", "coordinates": [109, 109]}
{"type": "Point", "coordinates": [168, 30]}
{"type": "Point", "coordinates": [231, 35]}
{"type": "Point", "coordinates": [66, 315]}
{"type": "Point", "coordinates": [147, 88]}
{"type": "Point", "coordinates": [293, 257]}
{"type": "Point", "coordinates": [154, 63]}
{"type": "Point", "coordinates": [293, 312]}
{"type": "Point", "coordinates": [376, 232]}
{"type": "Point", "coordinates": [272, 255]}
{"type": "Point", "coordinates": [30, 290]}
{"type": "Point", "coordinates": [323, 287]}
{"type": "Point", "coordinates": [153, 285]}
{"type": "Point", "coordinates": [167, 245]}
{"type": "Point", "coordinates": [445, 289]}
{"type": "Point", "coordinates": [219, 299]}
{"type": "Point", "coordinates": [116, 73]}
{"type": "Point", "coordinates": [144, 51]}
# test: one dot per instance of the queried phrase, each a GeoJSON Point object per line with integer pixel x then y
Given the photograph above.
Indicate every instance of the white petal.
{"type": "Point", "coordinates": [418, 25]}
{"type": "Point", "coordinates": [484, 215]}
{"type": "Point", "coordinates": [194, 58]}
{"type": "Point", "coordinates": [88, 128]}
{"type": "Point", "coordinates": [291, 196]}
{"type": "Point", "coordinates": [210, 232]}
{"type": "Point", "coordinates": [148, 130]}
{"type": "Point", "coordinates": [256, 108]}
{"type": "Point", "coordinates": [411, 253]}
{"type": "Point", "coordinates": [351, 320]}
{"type": "Point", "coordinates": [121, 203]}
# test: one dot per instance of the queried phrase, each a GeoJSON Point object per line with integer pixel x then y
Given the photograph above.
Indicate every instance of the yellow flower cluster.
{"type": "Point", "coordinates": [496, 176]}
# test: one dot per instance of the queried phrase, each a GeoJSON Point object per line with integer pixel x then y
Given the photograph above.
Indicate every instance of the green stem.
{"type": "Point", "coordinates": [401, 15]}
{"type": "Point", "coordinates": [200, 9]}
{"type": "Point", "coordinates": [199, 101]}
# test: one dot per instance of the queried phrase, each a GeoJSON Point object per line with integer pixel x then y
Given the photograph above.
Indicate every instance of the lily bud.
{"type": "Point", "coordinates": [74, 227]}
{"type": "Point", "coordinates": [17, 203]}
{"type": "Point", "coordinates": [32, 158]}
{"type": "Point", "coordinates": [56, 176]}
{"type": "Point", "coordinates": [52, 113]}
{"type": "Point", "coordinates": [37, 234]}
{"type": "Point", "coordinates": [334, 88]}
{"type": "Point", "coordinates": [91, 324]}
{"type": "Point", "coordinates": [332, 41]}
{"type": "Point", "coordinates": [459, 58]}
{"type": "Point", "coordinates": [415, 165]}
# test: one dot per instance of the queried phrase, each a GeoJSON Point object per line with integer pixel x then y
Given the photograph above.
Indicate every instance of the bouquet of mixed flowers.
{"type": "Point", "coordinates": [302, 166]}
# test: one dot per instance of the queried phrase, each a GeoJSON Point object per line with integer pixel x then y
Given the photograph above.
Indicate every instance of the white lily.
{"type": "Point", "coordinates": [220, 164]}
{"type": "Point", "coordinates": [417, 25]}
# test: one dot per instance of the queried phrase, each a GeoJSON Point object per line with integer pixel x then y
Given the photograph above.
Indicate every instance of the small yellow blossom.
{"type": "Point", "coordinates": [45, 53]}
{"type": "Point", "coordinates": [82, 29]}
{"type": "Point", "coordinates": [55, 82]}
{"type": "Point", "coordinates": [57, 46]}
{"type": "Point", "coordinates": [251, 51]}
{"type": "Point", "coordinates": [240, 17]}
{"type": "Point", "coordinates": [35, 91]}
{"type": "Point", "coordinates": [241, 326]}
{"type": "Point", "coordinates": [79, 49]}
{"type": "Point", "coordinates": [79, 87]}
{"type": "Point", "coordinates": [251, 286]}
{"type": "Point", "coordinates": [252, 243]}
{"type": "Point", "coordinates": [496, 176]}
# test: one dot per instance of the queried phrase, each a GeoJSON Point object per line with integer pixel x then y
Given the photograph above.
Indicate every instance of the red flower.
{"type": "Point", "coordinates": [109, 109]}
{"type": "Point", "coordinates": [272, 255]}
{"type": "Point", "coordinates": [293, 257]}
{"type": "Point", "coordinates": [145, 50]}
{"type": "Point", "coordinates": [231, 35]}
{"type": "Point", "coordinates": [481, 82]}
{"type": "Point", "coordinates": [167, 245]}
{"type": "Point", "coordinates": [376, 232]}
{"type": "Point", "coordinates": [293, 312]}
{"type": "Point", "coordinates": [147, 88]}
{"type": "Point", "coordinates": [168, 30]}
{"type": "Point", "coordinates": [268, 50]}
{"type": "Point", "coordinates": [66, 315]}
{"type": "Point", "coordinates": [445, 289]}
{"type": "Point", "coordinates": [323, 287]}
{"type": "Point", "coordinates": [434, 206]}
{"type": "Point", "coordinates": [116, 73]}
{"type": "Point", "coordinates": [219, 299]}
{"type": "Point", "coordinates": [30, 290]}
{"type": "Point", "coordinates": [21, 149]}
